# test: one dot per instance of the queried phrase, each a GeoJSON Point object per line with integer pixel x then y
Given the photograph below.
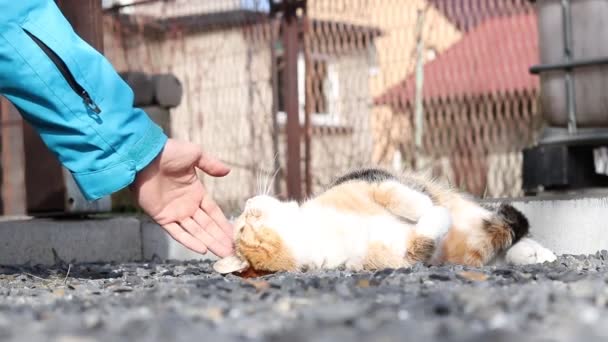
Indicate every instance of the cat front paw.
{"type": "Point", "coordinates": [435, 223]}
{"type": "Point", "coordinates": [528, 251]}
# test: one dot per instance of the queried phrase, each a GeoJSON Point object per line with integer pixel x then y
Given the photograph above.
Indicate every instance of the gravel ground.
{"type": "Point", "coordinates": [566, 300]}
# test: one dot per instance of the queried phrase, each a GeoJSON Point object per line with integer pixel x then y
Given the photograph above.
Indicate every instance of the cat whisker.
{"type": "Point", "coordinates": [258, 175]}
{"type": "Point", "coordinates": [271, 181]}
{"type": "Point", "coordinates": [266, 183]}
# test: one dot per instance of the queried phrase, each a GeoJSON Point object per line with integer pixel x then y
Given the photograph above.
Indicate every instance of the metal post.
{"type": "Point", "coordinates": [44, 177]}
{"type": "Point", "coordinates": [275, 108]}
{"type": "Point", "coordinates": [86, 17]}
{"type": "Point", "coordinates": [418, 109]}
{"type": "Point", "coordinates": [13, 161]}
{"type": "Point", "coordinates": [292, 107]}
{"type": "Point", "coordinates": [570, 96]}
{"type": "Point", "coordinates": [307, 106]}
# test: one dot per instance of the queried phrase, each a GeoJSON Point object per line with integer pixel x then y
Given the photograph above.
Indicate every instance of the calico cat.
{"type": "Point", "coordinates": [371, 219]}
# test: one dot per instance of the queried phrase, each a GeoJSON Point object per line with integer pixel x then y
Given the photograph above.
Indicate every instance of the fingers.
{"type": "Point", "coordinates": [212, 166]}
{"type": "Point", "coordinates": [204, 221]}
{"type": "Point", "coordinates": [185, 238]}
{"type": "Point", "coordinates": [207, 239]}
{"type": "Point", "coordinates": [215, 213]}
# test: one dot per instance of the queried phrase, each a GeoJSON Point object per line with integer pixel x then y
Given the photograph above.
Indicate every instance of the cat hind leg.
{"type": "Point", "coordinates": [435, 223]}
{"type": "Point", "coordinates": [401, 200]}
{"type": "Point", "coordinates": [527, 251]}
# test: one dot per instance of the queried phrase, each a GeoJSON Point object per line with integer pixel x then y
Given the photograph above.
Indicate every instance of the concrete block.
{"type": "Point", "coordinates": [160, 116]}
{"type": "Point", "coordinates": [142, 86]}
{"type": "Point", "coordinates": [567, 224]}
{"type": "Point", "coordinates": [168, 90]}
{"type": "Point", "coordinates": [156, 242]}
{"type": "Point", "coordinates": [94, 240]}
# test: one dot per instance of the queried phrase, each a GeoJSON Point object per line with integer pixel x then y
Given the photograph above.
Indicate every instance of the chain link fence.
{"type": "Point", "coordinates": [436, 85]}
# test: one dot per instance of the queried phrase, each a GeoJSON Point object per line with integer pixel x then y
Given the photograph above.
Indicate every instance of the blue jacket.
{"type": "Point", "coordinates": [74, 98]}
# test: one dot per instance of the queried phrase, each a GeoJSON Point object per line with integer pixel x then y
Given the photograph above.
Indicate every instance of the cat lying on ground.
{"type": "Point", "coordinates": [370, 219]}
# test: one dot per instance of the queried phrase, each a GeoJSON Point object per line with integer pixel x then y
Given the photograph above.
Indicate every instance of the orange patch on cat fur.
{"type": "Point", "coordinates": [461, 248]}
{"type": "Point", "coordinates": [250, 272]}
{"type": "Point", "coordinates": [420, 249]}
{"type": "Point", "coordinates": [455, 247]}
{"type": "Point", "coordinates": [352, 196]}
{"type": "Point", "coordinates": [500, 235]}
{"type": "Point", "coordinates": [380, 256]}
{"type": "Point", "coordinates": [265, 250]}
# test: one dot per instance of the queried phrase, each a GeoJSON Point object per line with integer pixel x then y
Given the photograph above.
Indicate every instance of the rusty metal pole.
{"type": "Point", "coordinates": [307, 104]}
{"type": "Point", "coordinates": [14, 200]}
{"type": "Point", "coordinates": [86, 17]}
{"type": "Point", "coordinates": [44, 177]}
{"type": "Point", "coordinates": [291, 43]}
{"type": "Point", "coordinates": [275, 107]}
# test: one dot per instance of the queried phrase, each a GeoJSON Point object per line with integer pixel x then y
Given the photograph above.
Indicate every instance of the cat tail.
{"type": "Point", "coordinates": [506, 226]}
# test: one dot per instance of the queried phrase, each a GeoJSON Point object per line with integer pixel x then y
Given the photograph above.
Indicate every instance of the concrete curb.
{"type": "Point", "coordinates": [110, 239]}
{"type": "Point", "coordinates": [566, 225]}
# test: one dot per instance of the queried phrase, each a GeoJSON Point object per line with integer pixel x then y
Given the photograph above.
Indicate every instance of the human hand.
{"type": "Point", "coordinates": [170, 191]}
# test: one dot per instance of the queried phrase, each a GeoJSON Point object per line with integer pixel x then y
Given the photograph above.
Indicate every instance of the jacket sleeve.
{"type": "Point", "coordinates": [74, 99]}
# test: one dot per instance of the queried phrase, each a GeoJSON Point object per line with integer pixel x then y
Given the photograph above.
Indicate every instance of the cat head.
{"type": "Point", "coordinates": [258, 230]}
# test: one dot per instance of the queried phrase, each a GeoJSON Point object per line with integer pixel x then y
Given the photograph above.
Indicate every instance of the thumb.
{"type": "Point", "coordinates": [211, 166]}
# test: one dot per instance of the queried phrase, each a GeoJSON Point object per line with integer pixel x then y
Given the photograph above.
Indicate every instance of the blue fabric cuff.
{"type": "Point", "coordinates": [97, 184]}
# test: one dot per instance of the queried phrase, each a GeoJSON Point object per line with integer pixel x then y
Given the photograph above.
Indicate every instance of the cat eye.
{"type": "Point", "coordinates": [254, 213]}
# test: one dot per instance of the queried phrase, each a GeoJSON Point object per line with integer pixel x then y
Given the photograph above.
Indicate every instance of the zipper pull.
{"type": "Point", "coordinates": [89, 102]}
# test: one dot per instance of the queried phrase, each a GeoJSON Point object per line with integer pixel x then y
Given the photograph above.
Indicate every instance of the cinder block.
{"type": "Point", "coordinates": [142, 86]}
{"type": "Point", "coordinates": [156, 242]}
{"type": "Point", "coordinates": [160, 116]}
{"type": "Point", "coordinates": [167, 90]}
{"type": "Point", "coordinates": [92, 240]}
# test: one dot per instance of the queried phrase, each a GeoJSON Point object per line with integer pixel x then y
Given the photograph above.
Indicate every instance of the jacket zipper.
{"type": "Point", "coordinates": [63, 69]}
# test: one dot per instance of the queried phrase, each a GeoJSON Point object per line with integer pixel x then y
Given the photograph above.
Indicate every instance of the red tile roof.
{"type": "Point", "coordinates": [494, 57]}
{"type": "Point", "coordinates": [467, 14]}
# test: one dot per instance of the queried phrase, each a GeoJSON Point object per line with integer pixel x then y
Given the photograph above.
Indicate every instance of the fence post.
{"type": "Point", "coordinates": [307, 104]}
{"type": "Point", "coordinates": [13, 161]}
{"type": "Point", "coordinates": [44, 177]}
{"type": "Point", "coordinates": [86, 17]}
{"type": "Point", "coordinates": [290, 23]}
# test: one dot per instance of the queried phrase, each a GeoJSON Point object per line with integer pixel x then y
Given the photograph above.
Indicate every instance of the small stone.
{"type": "Point", "coordinates": [343, 290]}
{"type": "Point", "coordinates": [441, 305]}
{"type": "Point", "coordinates": [74, 338]}
{"type": "Point", "coordinates": [339, 312]}
{"type": "Point", "coordinates": [504, 272]}
{"type": "Point", "coordinates": [381, 274]}
{"type": "Point", "coordinates": [259, 285]}
{"type": "Point", "coordinates": [215, 315]}
{"type": "Point", "coordinates": [121, 289]}
{"type": "Point", "coordinates": [566, 277]}
{"type": "Point", "coordinates": [440, 277]}
{"type": "Point", "coordinates": [133, 280]}
{"type": "Point", "coordinates": [583, 288]}
{"type": "Point", "coordinates": [363, 283]}
{"type": "Point", "coordinates": [93, 321]}
{"type": "Point", "coordinates": [472, 276]}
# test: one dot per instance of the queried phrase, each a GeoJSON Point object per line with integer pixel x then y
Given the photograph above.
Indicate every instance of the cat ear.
{"type": "Point", "coordinates": [230, 264]}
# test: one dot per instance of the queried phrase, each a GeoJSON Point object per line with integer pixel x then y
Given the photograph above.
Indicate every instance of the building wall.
{"type": "Point", "coordinates": [395, 52]}
{"type": "Point", "coordinates": [228, 100]}
{"type": "Point", "coordinates": [351, 145]}
{"type": "Point", "coordinates": [226, 104]}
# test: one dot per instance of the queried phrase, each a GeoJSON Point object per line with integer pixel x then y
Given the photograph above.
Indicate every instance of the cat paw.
{"type": "Point", "coordinates": [528, 251]}
{"type": "Point", "coordinates": [435, 223]}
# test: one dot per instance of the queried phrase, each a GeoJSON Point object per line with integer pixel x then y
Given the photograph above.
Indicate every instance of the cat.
{"type": "Point", "coordinates": [370, 219]}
